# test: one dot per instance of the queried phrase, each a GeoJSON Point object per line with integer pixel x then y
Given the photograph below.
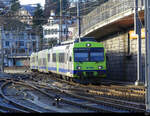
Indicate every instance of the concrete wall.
{"type": "Point", "coordinates": [122, 57]}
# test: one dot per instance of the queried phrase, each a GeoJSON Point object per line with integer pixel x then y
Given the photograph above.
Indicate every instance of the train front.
{"type": "Point", "coordinates": [89, 60]}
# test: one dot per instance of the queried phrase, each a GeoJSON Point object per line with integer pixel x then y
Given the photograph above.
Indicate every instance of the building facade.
{"type": "Point", "coordinates": [6, 2]}
{"type": "Point", "coordinates": [24, 16]}
{"type": "Point", "coordinates": [18, 46]}
{"type": "Point", "coordinates": [52, 33]}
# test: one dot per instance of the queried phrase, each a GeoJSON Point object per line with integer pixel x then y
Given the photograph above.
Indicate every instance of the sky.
{"type": "Point", "coordinates": [24, 2]}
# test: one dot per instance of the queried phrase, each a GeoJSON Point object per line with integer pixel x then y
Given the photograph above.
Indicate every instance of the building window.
{"type": "Point", "coordinates": [65, 31]}
{"type": "Point", "coordinates": [49, 32]}
{"type": "Point", "coordinates": [7, 35]}
{"type": "Point", "coordinates": [55, 31]}
{"type": "Point", "coordinates": [52, 31]}
{"type": "Point", "coordinates": [45, 32]}
{"type": "Point", "coordinates": [21, 43]}
{"type": "Point", "coordinates": [22, 51]}
{"type": "Point", "coordinates": [7, 43]}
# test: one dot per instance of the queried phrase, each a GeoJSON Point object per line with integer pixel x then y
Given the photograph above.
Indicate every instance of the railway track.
{"type": "Point", "coordinates": [71, 100]}
{"type": "Point", "coordinates": [113, 105]}
{"type": "Point", "coordinates": [124, 92]}
{"type": "Point", "coordinates": [75, 105]}
{"type": "Point", "coordinates": [130, 97]}
{"type": "Point", "coordinates": [5, 105]}
{"type": "Point", "coordinates": [102, 98]}
{"type": "Point", "coordinates": [9, 97]}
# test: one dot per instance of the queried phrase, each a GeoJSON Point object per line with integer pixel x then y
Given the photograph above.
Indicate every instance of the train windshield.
{"type": "Point", "coordinates": [96, 54]}
{"type": "Point", "coordinates": [81, 55]}
{"type": "Point", "coordinates": [88, 54]}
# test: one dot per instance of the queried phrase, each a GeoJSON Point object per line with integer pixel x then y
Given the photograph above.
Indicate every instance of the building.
{"type": "Point", "coordinates": [55, 6]}
{"type": "Point", "coordinates": [50, 5]}
{"type": "Point", "coordinates": [30, 8]}
{"type": "Point", "coordinates": [6, 2]}
{"type": "Point", "coordinates": [4, 6]}
{"type": "Point", "coordinates": [25, 14]}
{"type": "Point", "coordinates": [17, 46]}
{"type": "Point", "coordinates": [51, 31]}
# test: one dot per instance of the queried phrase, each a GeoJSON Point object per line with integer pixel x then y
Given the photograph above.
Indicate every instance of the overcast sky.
{"type": "Point", "coordinates": [24, 2]}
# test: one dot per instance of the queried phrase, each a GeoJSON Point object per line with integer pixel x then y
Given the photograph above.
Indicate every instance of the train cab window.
{"type": "Point", "coordinates": [48, 57]}
{"type": "Point", "coordinates": [97, 54]}
{"type": "Point", "coordinates": [81, 54]}
{"type": "Point", "coordinates": [54, 57]}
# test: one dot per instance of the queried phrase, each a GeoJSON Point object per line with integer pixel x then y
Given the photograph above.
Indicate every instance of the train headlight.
{"type": "Point", "coordinates": [78, 67]}
{"type": "Point", "coordinates": [100, 67]}
{"type": "Point", "coordinates": [88, 45]}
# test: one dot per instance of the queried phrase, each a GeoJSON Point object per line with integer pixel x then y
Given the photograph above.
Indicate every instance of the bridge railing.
{"type": "Point", "coordinates": [106, 11]}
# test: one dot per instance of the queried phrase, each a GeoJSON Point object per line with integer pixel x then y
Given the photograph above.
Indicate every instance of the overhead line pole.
{"type": "Point", "coordinates": [60, 34]}
{"type": "Point", "coordinates": [137, 28]}
{"type": "Point", "coordinates": [78, 17]}
{"type": "Point", "coordinates": [147, 31]}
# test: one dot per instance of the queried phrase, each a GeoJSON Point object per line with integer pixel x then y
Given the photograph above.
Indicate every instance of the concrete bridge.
{"type": "Point", "coordinates": [110, 17]}
{"type": "Point", "coordinates": [110, 23]}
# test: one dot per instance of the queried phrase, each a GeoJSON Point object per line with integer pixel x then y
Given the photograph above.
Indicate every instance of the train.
{"type": "Point", "coordinates": [75, 60]}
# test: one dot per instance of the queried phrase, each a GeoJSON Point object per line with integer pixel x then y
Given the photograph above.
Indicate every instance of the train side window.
{"type": "Point", "coordinates": [61, 57]}
{"type": "Point", "coordinates": [32, 60]}
{"type": "Point", "coordinates": [48, 57]}
{"type": "Point", "coordinates": [44, 61]}
{"type": "Point", "coordinates": [54, 57]}
{"type": "Point", "coordinates": [39, 61]}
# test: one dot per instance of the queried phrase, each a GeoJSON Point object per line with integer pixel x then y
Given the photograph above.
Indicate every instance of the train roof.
{"type": "Point", "coordinates": [67, 44]}
{"type": "Point", "coordinates": [82, 39]}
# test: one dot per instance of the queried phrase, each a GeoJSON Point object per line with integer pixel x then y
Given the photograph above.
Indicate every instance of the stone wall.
{"type": "Point", "coordinates": [122, 57]}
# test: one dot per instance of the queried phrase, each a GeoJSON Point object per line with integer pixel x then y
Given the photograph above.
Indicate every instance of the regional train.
{"type": "Point", "coordinates": [84, 59]}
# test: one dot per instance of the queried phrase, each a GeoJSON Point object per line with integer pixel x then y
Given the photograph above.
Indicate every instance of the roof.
{"type": "Point", "coordinates": [29, 8]}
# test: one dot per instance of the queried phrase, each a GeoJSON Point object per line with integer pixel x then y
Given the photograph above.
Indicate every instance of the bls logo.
{"type": "Point", "coordinates": [89, 67]}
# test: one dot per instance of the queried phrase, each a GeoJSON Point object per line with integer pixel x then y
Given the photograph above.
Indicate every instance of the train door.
{"type": "Point", "coordinates": [67, 61]}
{"type": "Point", "coordinates": [70, 62]}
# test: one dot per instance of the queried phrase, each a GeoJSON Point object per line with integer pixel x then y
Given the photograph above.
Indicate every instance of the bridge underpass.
{"type": "Point", "coordinates": [113, 31]}
{"type": "Point", "coordinates": [101, 31]}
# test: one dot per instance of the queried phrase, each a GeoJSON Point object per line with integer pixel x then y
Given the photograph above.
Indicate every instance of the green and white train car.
{"type": "Point", "coordinates": [85, 59]}
{"type": "Point", "coordinates": [42, 60]}
{"type": "Point", "coordinates": [33, 61]}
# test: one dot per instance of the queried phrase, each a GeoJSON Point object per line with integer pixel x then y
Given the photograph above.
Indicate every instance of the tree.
{"type": "Point", "coordinates": [38, 21]}
{"type": "Point", "coordinates": [38, 18]}
{"type": "Point", "coordinates": [15, 5]}
{"type": "Point", "coordinates": [65, 5]}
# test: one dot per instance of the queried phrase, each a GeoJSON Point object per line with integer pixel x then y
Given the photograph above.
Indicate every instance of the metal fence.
{"type": "Point", "coordinates": [107, 10]}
